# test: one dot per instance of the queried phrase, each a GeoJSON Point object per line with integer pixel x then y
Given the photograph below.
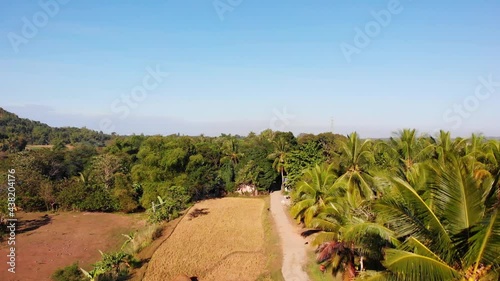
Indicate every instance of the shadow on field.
{"type": "Point", "coordinates": [30, 225]}
{"type": "Point", "coordinates": [198, 213]}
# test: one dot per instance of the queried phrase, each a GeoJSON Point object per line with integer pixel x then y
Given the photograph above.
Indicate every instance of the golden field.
{"type": "Point", "coordinates": [226, 241]}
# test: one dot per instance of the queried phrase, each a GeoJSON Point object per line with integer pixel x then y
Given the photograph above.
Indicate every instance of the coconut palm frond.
{"type": "Point", "coordinates": [458, 196]}
{"type": "Point", "coordinates": [357, 231]}
{"type": "Point", "coordinates": [485, 244]}
{"type": "Point", "coordinates": [410, 266]}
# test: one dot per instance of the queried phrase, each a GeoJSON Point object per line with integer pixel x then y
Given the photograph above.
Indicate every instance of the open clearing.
{"type": "Point", "coordinates": [45, 243]}
{"type": "Point", "coordinates": [220, 239]}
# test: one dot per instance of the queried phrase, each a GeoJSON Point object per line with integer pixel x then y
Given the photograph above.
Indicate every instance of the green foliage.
{"type": "Point", "coordinates": [71, 194]}
{"type": "Point", "coordinates": [255, 166]}
{"type": "Point", "coordinates": [413, 208]}
{"type": "Point", "coordinates": [168, 207]}
{"type": "Point", "coordinates": [69, 273]}
{"type": "Point", "coordinates": [124, 194]}
{"type": "Point", "coordinates": [304, 157]}
{"type": "Point", "coordinates": [75, 195]}
{"type": "Point", "coordinates": [98, 199]}
{"type": "Point", "coordinates": [111, 267]}
{"type": "Point", "coordinates": [17, 132]}
{"type": "Point", "coordinates": [228, 176]}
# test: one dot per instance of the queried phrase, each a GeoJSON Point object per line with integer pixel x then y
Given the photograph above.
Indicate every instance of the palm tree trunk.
{"type": "Point", "coordinates": [282, 180]}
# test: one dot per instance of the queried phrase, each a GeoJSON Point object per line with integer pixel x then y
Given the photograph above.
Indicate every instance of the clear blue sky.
{"type": "Point", "coordinates": [249, 66]}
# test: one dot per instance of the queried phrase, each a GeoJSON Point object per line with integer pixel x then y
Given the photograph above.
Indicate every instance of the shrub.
{"type": "Point", "coordinates": [98, 200]}
{"type": "Point", "coordinates": [68, 273]}
{"type": "Point", "coordinates": [166, 212]}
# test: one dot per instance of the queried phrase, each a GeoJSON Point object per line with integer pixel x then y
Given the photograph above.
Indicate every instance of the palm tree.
{"type": "Point", "coordinates": [281, 149]}
{"type": "Point", "coordinates": [474, 146]}
{"type": "Point", "coordinates": [492, 157]}
{"type": "Point", "coordinates": [339, 256]}
{"type": "Point", "coordinates": [356, 180]}
{"type": "Point", "coordinates": [349, 236]}
{"type": "Point", "coordinates": [313, 193]}
{"type": "Point", "coordinates": [455, 238]}
{"type": "Point", "coordinates": [230, 150]}
{"type": "Point", "coordinates": [444, 146]}
{"type": "Point", "coordinates": [409, 148]}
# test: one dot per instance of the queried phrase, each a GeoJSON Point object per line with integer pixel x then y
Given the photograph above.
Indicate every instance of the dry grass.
{"type": "Point", "coordinates": [142, 238]}
{"type": "Point", "coordinates": [225, 241]}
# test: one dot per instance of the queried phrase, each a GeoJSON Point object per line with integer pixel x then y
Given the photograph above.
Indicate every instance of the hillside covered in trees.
{"type": "Point", "coordinates": [16, 133]}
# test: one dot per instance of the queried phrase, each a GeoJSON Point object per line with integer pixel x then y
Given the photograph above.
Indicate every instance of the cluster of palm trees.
{"type": "Point", "coordinates": [410, 208]}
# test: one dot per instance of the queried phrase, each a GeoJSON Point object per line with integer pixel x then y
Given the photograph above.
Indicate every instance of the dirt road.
{"type": "Point", "coordinates": [294, 249]}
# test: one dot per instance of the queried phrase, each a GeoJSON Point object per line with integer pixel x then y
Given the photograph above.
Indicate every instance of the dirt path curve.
{"type": "Point", "coordinates": [294, 249]}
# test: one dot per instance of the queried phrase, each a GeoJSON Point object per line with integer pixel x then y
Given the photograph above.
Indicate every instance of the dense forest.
{"type": "Point", "coordinates": [412, 207]}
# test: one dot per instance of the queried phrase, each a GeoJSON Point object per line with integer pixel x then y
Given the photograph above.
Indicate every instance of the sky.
{"type": "Point", "coordinates": [234, 66]}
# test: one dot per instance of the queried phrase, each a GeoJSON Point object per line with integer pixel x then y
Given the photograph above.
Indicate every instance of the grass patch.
{"type": "Point", "coordinates": [272, 246]}
{"type": "Point", "coordinates": [138, 240]}
{"type": "Point", "coordinates": [69, 273]}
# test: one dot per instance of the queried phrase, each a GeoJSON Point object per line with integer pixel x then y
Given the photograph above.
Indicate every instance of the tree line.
{"type": "Point", "coordinates": [16, 133]}
{"type": "Point", "coordinates": [131, 172]}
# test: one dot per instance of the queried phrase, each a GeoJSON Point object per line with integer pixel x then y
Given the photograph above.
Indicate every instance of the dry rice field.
{"type": "Point", "coordinates": [220, 239]}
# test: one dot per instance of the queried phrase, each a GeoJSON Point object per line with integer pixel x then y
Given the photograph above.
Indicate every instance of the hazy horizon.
{"type": "Point", "coordinates": [233, 67]}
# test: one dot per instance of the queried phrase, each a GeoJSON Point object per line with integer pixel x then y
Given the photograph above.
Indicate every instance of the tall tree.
{"type": "Point", "coordinates": [356, 177]}
{"type": "Point", "coordinates": [313, 193]}
{"type": "Point", "coordinates": [281, 150]}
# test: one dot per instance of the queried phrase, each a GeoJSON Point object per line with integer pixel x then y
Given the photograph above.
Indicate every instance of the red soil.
{"type": "Point", "coordinates": [45, 243]}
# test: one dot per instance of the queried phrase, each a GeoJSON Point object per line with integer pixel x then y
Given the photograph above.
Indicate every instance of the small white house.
{"type": "Point", "coordinates": [247, 189]}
